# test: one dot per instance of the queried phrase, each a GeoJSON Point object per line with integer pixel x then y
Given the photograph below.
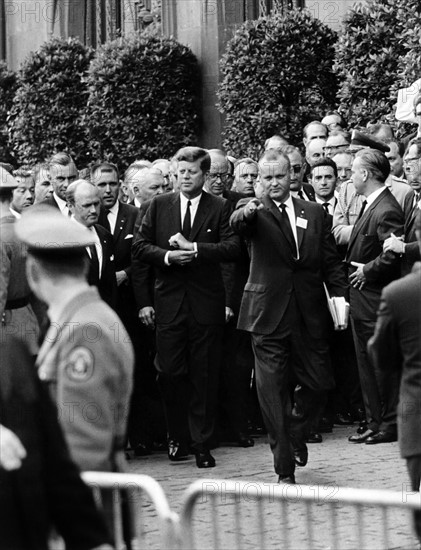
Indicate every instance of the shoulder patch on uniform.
{"type": "Point", "coordinates": [80, 364]}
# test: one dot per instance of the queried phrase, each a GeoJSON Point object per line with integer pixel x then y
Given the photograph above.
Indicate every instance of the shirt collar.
{"type": "Point", "coordinates": [373, 196]}
{"type": "Point", "coordinates": [61, 203]}
{"type": "Point", "coordinates": [194, 202]}
{"type": "Point", "coordinates": [331, 201]}
{"type": "Point", "coordinates": [137, 202]}
{"type": "Point", "coordinates": [288, 203]}
{"type": "Point", "coordinates": [113, 209]}
{"type": "Point", "coordinates": [16, 214]}
{"type": "Point", "coordinates": [56, 310]}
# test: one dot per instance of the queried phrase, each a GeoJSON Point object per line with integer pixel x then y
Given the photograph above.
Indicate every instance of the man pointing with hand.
{"type": "Point", "coordinates": [185, 236]}
{"type": "Point", "coordinates": [284, 308]}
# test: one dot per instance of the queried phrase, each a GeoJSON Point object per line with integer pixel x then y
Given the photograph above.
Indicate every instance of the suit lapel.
{"type": "Point", "coordinates": [300, 212]}
{"type": "Point", "coordinates": [175, 212]}
{"type": "Point", "coordinates": [201, 213]}
{"type": "Point", "coordinates": [119, 224]}
{"type": "Point", "coordinates": [366, 217]}
{"type": "Point", "coordinates": [274, 210]}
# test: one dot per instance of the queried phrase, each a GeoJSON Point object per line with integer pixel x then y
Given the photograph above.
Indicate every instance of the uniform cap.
{"type": "Point", "coordinates": [48, 233]}
{"type": "Point", "coordinates": [7, 181]}
{"type": "Point", "coordinates": [360, 140]}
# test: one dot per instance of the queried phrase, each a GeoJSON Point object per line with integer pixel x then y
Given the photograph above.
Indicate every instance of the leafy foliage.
{"type": "Point", "coordinates": [8, 85]}
{"type": "Point", "coordinates": [46, 115]}
{"type": "Point", "coordinates": [368, 57]}
{"type": "Point", "coordinates": [277, 77]}
{"type": "Point", "coordinates": [143, 99]}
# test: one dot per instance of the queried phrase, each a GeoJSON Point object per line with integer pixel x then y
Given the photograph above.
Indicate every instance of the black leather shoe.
{"type": "Point", "coordinates": [325, 425]}
{"type": "Point", "coordinates": [361, 438]}
{"type": "Point", "coordinates": [204, 460]}
{"type": "Point", "coordinates": [301, 456]}
{"type": "Point", "coordinates": [177, 451]}
{"type": "Point", "coordinates": [381, 437]}
{"type": "Point", "coordinates": [245, 441]}
{"type": "Point", "coordinates": [362, 427]}
{"type": "Point", "coordinates": [314, 438]}
{"type": "Point", "coordinates": [142, 449]}
{"type": "Point", "coordinates": [343, 419]}
{"type": "Point", "coordinates": [287, 479]}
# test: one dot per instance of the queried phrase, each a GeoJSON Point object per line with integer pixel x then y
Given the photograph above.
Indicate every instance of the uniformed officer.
{"type": "Point", "coordinates": [87, 356]}
{"type": "Point", "coordinates": [17, 318]}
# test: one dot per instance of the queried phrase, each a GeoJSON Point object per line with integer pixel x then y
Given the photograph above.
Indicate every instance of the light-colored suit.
{"type": "Point", "coordinates": [87, 360]}
{"type": "Point", "coordinates": [19, 322]}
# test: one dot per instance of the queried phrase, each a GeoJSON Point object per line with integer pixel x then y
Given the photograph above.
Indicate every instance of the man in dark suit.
{"type": "Point", "coordinates": [284, 308]}
{"type": "Point", "coordinates": [185, 236]}
{"type": "Point", "coordinates": [63, 172]}
{"type": "Point", "coordinates": [323, 179]}
{"type": "Point", "coordinates": [122, 221]}
{"type": "Point", "coordinates": [119, 219]}
{"type": "Point", "coordinates": [396, 346]}
{"type": "Point", "coordinates": [370, 269]}
{"type": "Point", "coordinates": [407, 246]}
{"type": "Point", "coordinates": [344, 398]}
{"type": "Point", "coordinates": [84, 204]}
{"type": "Point", "coordinates": [236, 374]}
{"type": "Point", "coordinates": [34, 460]}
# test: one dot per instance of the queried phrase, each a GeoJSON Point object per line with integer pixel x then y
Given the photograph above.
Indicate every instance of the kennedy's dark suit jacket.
{"type": "Point", "coordinates": [378, 222]}
{"type": "Point", "coordinates": [412, 251]}
{"type": "Point", "coordinates": [396, 344]}
{"type": "Point", "coordinates": [47, 489]}
{"type": "Point", "coordinates": [275, 273]}
{"type": "Point", "coordinates": [106, 282]}
{"type": "Point", "coordinates": [201, 281]}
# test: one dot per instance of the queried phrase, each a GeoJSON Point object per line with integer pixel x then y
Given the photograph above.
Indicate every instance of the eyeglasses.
{"type": "Point", "coordinates": [296, 168]}
{"type": "Point", "coordinates": [330, 148]}
{"type": "Point", "coordinates": [223, 177]}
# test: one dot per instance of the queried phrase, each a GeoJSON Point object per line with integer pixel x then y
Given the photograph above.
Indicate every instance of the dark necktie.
{"type": "Point", "coordinates": [187, 222]}
{"type": "Point", "coordinates": [287, 228]}
{"type": "Point", "coordinates": [362, 210]}
{"type": "Point", "coordinates": [301, 195]}
{"type": "Point", "coordinates": [326, 207]}
{"type": "Point", "coordinates": [94, 261]}
{"type": "Point", "coordinates": [417, 197]}
{"type": "Point", "coordinates": [107, 221]}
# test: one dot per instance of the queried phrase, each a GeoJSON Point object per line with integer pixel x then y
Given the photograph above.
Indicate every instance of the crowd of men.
{"type": "Point", "coordinates": [182, 303]}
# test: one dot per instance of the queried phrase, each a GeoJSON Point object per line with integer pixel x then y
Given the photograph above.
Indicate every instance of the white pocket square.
{"type": "Point", "coordinates": [208, 230]}
{"type": "Point", "coordinates": [128, 237]}
{"type": "Point", "coordinates": [112, 258]}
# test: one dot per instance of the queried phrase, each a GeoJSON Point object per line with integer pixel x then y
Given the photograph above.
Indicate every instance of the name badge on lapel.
{"type": "Point", "coordinates": [302, 222]}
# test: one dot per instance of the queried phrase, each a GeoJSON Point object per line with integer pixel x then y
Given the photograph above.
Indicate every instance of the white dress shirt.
{"type": "Point", "coordinates": [64, 209]}
{"type": "Point", "coordinates": [193, 208]}
{"type": "Point", "coordinates": [112, 217]}
{"type": "Point", "coordinates": [331, 202]}
{"type": "Point", "coordinates": [373, 196]}
{"type": "Point", "coordinates": [194, 203]}
{"type": "Point", "coordinates": [97, 243]}
{"type": "Point", "coordinates": [292, 220]}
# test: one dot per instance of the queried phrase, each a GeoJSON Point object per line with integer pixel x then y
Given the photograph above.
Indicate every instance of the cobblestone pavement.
{"type": "Point", "coordinates": [332, 464]}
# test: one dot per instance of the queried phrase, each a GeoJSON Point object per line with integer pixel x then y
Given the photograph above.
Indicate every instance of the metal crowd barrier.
{"type": "Point", "coordinates": [238, 514]}
{"type": "Point", "coordinates": [160, 520]}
